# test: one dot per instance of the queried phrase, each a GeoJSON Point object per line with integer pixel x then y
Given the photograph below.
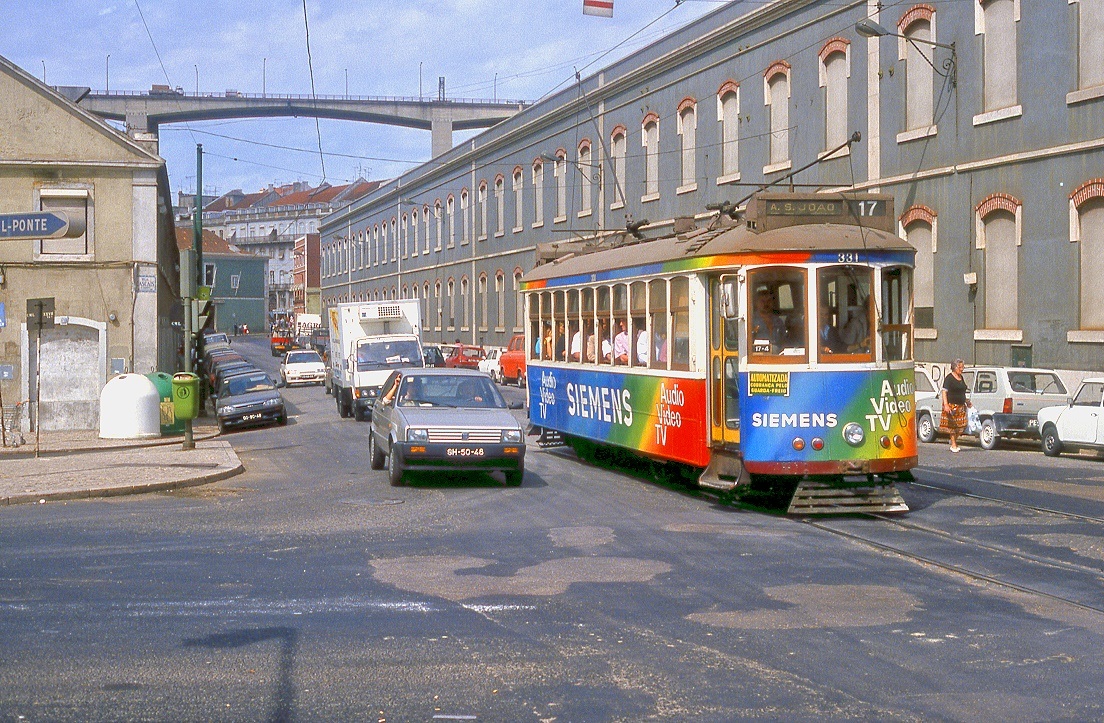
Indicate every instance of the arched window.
{"type": "Point", "coordinates": [998, 220]}
{"type": "Point", "coordinates": [464, 305]}
{"type": "Point", "coordinates": [450, 211]}
{"type": "Point", "coordinates": [917, 26]}
{"type": "Point", "coordinates": [538, 193]}
{"type": "Point", "coordinates": [414, 233]}
{"type": "Point", "coordinates": [465, 218]}
{"type": "Point", "coordinates": [918, 225]}
{"type": "Point", "coordinates": [437, 219]}
{"type": "Point", "coordinates": [500, 294]}
{"type": "Point", "coordinates": [481, 216]}
{"type": "Point", "coordinates": [650, 141]}
{"type": "Point", "coordinates": [999, 55]}
{"type": "Point", "coordinates": [519, 199]}
{"type": "Point", "coordinates": [451, 305]}
{"type": "Point", "coordinates": [1087, 231]}
{"type": "Point", "coordinates": [728, 115]}
{"type": "Point", "coordinates": [777, 97]}
{"type": "Point", "coordinates": [518, 307]}
{"type": "Point", "coordinates": [618, 149]}
{"type": "Point", "coordinates": [586, 173]}
{"type": "Point", "coordinates": [500, 204]}
{"type": "Point", "coordinates": [688, 131]}
{"type": "Point", "coordinates": [559, 170]}
{"type": "Point", "coordinates": [481, 305]}
{"type": "Point", "coordinates": [425, 222]}
{"type": "Point", "coordinates": [835, 69]}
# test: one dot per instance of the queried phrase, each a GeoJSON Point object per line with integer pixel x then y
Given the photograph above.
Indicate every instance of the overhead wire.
{"type": "Point", "coordinates": [314, 95]}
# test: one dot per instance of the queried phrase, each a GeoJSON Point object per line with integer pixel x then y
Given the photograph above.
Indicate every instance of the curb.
{"type": "Point", "coordinates": [32, 498]}
{"type": "Point", "coordinates": [21, 454]}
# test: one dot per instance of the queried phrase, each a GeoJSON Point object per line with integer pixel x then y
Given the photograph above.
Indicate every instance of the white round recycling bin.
{"type": "Point", "coordinates": [130, 408]}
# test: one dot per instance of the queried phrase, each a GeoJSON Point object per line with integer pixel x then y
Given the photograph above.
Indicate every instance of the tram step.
{"type": "Point", "coordinates": [815, 498]}
{"type": "Point", "coordinates": [724, 472]}
{"type": "Point", "coordinates": [550, 438]}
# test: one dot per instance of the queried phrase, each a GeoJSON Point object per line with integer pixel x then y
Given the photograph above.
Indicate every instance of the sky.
{"type": "Point", "coordinates": [504, 49]}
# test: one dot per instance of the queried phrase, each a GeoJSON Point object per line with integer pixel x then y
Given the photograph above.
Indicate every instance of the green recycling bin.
{"type": "Point", "coordinates": [185, 386]}
{"type": "Point", "coordinates": [170, 423]}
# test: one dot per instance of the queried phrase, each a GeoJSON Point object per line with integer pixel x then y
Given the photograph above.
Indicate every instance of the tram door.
{"type": "Point", "coordinates": [724, 361]}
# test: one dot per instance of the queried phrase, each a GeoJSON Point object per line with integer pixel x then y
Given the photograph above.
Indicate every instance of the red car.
{"type": "Point", "coordinates": [281, 341]}
{"type": "Point", "coordinates": [512, 361]}
{"type": "Point", "coordinates": [465, 356]}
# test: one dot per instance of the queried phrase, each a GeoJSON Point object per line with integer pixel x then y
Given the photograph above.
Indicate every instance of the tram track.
{"type": "Point", "coordinates": [958, 568]}
{"type": "Point", "coordinates": [1000, 501]}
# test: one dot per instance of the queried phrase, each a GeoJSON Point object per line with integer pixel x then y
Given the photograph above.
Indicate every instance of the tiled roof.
{"type": "Point", "coordinates": [212, 242]}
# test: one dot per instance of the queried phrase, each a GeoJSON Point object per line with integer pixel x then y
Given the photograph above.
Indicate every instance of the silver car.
{"type": "Point", "coordinates": [445, 419]}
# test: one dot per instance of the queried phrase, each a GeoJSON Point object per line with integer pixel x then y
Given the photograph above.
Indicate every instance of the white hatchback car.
{"type": "Point", "coordinates": [302, 366]}
{"type": "Point", "coordinates": [1076, 425]}
{"type": "Point", "coordinates": [489, 364]}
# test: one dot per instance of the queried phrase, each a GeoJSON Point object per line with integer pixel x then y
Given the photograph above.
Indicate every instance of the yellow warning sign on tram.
{"type": "Point", "coordinates": [775, 384]}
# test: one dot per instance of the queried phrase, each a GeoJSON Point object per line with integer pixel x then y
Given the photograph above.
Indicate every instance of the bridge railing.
{"type": "Point", "coordinates": [234, 94]}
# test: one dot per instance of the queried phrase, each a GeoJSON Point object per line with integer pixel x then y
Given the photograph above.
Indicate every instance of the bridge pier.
{"type": "Point", "coordinates": [440, 131]}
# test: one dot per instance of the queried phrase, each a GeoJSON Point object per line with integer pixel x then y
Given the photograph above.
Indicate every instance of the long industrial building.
{"type": "Point", "coordinates": [985, 120]}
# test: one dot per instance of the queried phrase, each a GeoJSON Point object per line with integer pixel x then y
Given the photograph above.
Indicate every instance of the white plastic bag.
{"type": "Point", "coordinates": [973, 421]}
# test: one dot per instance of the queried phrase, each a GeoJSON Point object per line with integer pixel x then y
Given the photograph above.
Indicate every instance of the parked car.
{"type": "Point", "coordinates": [512, 361]}
{"type": "Point", "coordinates": [1078, 424]}
{"type": "Point", "coordinates": [451, 419]}
{"type": "Point", "coordinates": [247, 400]}
{"type": "Point", "coordinates": [489, 363]}
{"type": "Point", "coordinates": [926, 392]}
{"type": "Point", "coordinates": [302, 366]}
{"type": "Point", "coordinates": [464, 356]}
{"type": "Point", "coordinates": [1007, 400]}
{"type": "Point", "coordinates": [432, 355]}
{"type": "Point", "coordinates": [224, 370]}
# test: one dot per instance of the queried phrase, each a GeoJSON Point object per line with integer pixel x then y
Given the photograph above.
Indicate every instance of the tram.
{"type": "Point", "coordinates": [773, 347]}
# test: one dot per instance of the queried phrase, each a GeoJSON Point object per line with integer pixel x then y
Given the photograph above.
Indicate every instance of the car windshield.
{"type": "Point", "coordinates": [388, 354]}
{"type": "Point", "coordinates": [246, 383]}
{"type": "Point", "coordinates": [304, 357]}
{"type": "Point", "coordinates": [923, 383]}
{"type": "Point", "coordinates": [441, 390]}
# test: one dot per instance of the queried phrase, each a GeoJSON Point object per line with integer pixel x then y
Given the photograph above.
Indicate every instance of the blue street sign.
{"type": "Point", "coordinates": [3, 316]}
{"type": "Point", "coordinates": [43, 224]}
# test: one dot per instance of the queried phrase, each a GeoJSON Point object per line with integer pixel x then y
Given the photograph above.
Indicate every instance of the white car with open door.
{"type": "Point", "coordinates": [1076, 425]}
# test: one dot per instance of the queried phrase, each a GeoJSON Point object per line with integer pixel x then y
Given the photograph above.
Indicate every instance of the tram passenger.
{"type": "Point", "coordinates": [598, 344]}
{"type": "Point", "coordinates": [855, 334]}
{"type": "Point", "coordinates": [767, 326]}
{"type": "Point", "coordinates": [621, 344]}
{"type": "Point", "coordinates": [561, 342]}
{"type": "Point", "coordinates": [577, 345]}
{"type": "Point", "coordinates": [643, 348]}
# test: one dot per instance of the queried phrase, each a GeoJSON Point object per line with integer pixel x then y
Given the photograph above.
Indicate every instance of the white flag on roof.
{"type": "Point", "coordinates": [601, 8]}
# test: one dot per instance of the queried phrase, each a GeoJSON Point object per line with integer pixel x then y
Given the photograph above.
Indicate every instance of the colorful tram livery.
{"type": "Point", "coordinates": [775, 349]}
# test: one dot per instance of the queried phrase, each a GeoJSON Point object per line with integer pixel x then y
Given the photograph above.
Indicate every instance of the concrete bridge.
{"type": "Point", "coordinates": [144, 111]}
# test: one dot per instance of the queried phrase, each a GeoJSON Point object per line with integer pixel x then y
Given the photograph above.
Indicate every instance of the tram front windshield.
{"type": "Point", "coordinates": [827, 314]}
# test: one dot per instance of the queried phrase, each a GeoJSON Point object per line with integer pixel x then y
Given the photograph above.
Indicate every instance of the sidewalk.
{"type": "Point", "coordinates": [79, 465]}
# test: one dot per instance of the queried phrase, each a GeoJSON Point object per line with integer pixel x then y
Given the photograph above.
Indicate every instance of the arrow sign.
{"type": "Point", "coordinates": [42, 224]}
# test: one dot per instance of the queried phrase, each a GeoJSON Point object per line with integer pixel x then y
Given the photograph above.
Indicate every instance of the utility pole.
{"type": "Point", "coordinates": [197, 246]}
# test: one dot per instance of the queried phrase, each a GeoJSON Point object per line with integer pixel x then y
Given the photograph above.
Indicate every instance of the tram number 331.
{"type": "Point", "coordinates": [848, 258]}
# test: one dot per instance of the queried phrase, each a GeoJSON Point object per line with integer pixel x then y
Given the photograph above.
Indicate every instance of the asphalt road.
{"type": "Point", "coordinates": [309, 589]}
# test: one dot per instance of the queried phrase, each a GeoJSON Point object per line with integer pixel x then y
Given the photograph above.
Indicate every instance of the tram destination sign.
{"type": "Point", "coordinates": [851, 208]}
{"type": "Point", "coordinates": [39, 224]}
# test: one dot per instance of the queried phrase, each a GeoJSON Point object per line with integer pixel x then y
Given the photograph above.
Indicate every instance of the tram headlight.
{"type": "Point", "coordinates": [884, 441]}
{"type": "Point", "coordinates": [798, 444]}
{"type": "Point", "coordinates": [818, 443]}
{"type": "Point", "coordinates": [853, 434]}
{"type": "Point", "coordinates": [898, 442]}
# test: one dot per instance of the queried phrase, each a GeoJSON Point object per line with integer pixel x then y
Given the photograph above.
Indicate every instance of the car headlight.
{"type": "Point", "coordinates": [366, 392]}
{"type": "Point", "coordinates": [228, 409]}
{"type": "Point", "coordinates": [511, 436]}
{"type": "Point", "coordinates": [417, 435]}
{"type": "Point", "coordinates": [271, 403]}
{"type": "Point", "coordinates": [853, 434]}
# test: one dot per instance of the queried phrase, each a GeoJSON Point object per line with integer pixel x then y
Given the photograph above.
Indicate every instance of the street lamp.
{"type": "Point", "coordinates": [264, 75]}
{"type": "Point", "coordinates": [44, 72]}
{"type": "Point", "coordinates": [870, 29]}
{"type": "Point", "coordinates": [196, 66]}
{"type": "Point", "coordinates": [346, 82]}
{"type": "Point", "coordinates": [107, 74]}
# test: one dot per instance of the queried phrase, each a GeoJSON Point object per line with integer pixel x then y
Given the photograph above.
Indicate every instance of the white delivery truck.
{"type": "Point", "coordinates": [305, 324]}
{"type": "Point", "coordinates": [368, 340]}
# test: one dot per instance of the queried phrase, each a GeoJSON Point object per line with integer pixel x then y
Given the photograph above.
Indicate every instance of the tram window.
{"type": "Point", "coordinates": [896, 313]}
{"type": "Point", "coordinates": [638, 324]}
{"type": "Point", "coordinates": [844, 314]}
{"type": "Point", "coordinates": [657, 310]}
{"type": "Point", "coordinates": [776, 330]}
{"type": "Point", "coordinates": [680, 323]}
{"type": "Point", "coordinates": [574, 335]}
{"type": "Point", "coordinates": [559, 343]}
{"type": "Point", "coordinates": [732, 394]}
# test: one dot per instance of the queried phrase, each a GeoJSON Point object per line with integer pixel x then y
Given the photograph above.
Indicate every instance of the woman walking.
{"type": "Point", "coordinates": [955, 403]}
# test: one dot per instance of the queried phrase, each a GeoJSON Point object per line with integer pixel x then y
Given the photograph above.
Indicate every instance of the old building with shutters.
{"type": "Point", "coordinates": [115, 288]}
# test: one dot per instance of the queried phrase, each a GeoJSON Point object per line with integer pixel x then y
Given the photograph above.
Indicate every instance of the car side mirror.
{"type": "Point", "coordinates": [1069, 401]}
{"type": "Point", "coordinates": [516, 405]}
{"type": "Point", "coordinates": [280, 384]}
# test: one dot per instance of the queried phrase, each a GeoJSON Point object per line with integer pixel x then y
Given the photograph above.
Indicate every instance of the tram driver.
{"type": "Point", "coordinates": [766, 325]}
